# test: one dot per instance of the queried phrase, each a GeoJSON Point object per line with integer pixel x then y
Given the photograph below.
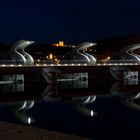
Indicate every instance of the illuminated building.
{"type": "Point", "coordinates": [50, 56]}
{"type": "Point", "coordinates": [59, 44]}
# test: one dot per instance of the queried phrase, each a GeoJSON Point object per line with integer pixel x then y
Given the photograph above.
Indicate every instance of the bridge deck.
{"type": "Point", "coordinates": [16, 69]}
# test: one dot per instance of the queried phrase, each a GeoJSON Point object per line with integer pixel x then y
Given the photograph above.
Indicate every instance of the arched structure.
{"type": "Point", "coordinates": [126, 55]}
{"type": "Point", "coordinates": [132, 102]}
{"type": "Point", "coordinates": [18, 53]}
{"type": "Point", "coordinates": [78, 55]}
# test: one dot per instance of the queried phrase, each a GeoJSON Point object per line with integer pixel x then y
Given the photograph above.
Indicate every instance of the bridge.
{"type": "Point", "coordinates": [21, 65]}
{"type": "Point", "coordinates": [11, 67]}
{"type": "Point", "coordinates": [39, 69]}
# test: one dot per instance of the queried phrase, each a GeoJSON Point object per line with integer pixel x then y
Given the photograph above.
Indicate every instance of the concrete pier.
{"type": "Point", "coordinates": [34, 73]}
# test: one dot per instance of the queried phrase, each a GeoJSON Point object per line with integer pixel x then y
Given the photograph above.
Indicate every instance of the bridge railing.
{"type": "Point", "coordinates": [117, 62]}
{"type": "Point", "coordinates": [82, 62]}
{"type": "Point", "coordinates": [67, 62]}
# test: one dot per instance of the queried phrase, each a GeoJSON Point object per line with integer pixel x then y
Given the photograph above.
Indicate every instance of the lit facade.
{"type": "Point", "coordinates": [59, 44]}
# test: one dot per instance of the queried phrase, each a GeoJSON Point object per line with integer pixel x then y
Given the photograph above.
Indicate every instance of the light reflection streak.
{"type": "Point", "coordinates": [21, 114]}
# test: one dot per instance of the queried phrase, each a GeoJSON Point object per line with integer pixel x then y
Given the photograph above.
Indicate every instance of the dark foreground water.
{"type": "Point", "coordinates": [96, 110]}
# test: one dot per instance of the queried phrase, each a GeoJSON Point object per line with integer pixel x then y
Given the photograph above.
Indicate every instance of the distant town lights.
{"type": "Point", "coordinates": [59, 44]}
{"type": "Point", "coordinates": [51, 56]}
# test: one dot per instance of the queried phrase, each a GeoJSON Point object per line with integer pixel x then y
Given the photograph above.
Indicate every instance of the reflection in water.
{"type": "Point", "coordinates": [74, 80]}
{"type": "Point", "coordinates": [79, 103]}
{"type": "Point", "coordinates": [128, 94]}
{"type": "Point", "coordinates": [121, 89]}
{"type": "Point", "coordinates": [97, 108]}
{"type": "Point", "coordinates": [20, 112]}
{"type": "Point", "coordinates": [90, 99]}
{"type": "Point", "coordinates": [132, 102]}
{"type": "Point", "coordinates": [80, 98]}
{"type": "Point", "coordinates": [11, 87]}
{"type": "Point", "coordinates": [82, 107]}
{"type": "Point", "coordinates": [51, 90]}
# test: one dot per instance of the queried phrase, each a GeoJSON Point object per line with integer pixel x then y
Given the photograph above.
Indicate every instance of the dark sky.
{"type": "Point", "coordinates": [73, 21]}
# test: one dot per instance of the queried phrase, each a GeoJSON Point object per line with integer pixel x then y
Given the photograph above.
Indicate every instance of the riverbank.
{"type": "Point", "coordinates": [10, 131]}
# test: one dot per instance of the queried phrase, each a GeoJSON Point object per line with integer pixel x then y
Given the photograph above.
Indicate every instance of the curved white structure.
{"type": "Point", "coordinates": [28, 57]}
{"type": "Point", "coordinates": [80, 52]}
{"type": "Point", "coordinates": [127, 55]}
{"type": "Point", "coordinates": [19, 54]}
{"type": "Point", "coordinates": [92, 60]}
{"type": "Point", "coordinates": [78, 55]}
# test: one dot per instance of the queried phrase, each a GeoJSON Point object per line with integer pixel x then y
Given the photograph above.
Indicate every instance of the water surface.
{"type": "Point", "coordinates": [97, 110]}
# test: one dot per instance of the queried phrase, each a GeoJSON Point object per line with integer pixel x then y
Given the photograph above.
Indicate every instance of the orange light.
{"type": "Point", "coordinates": [108, 58]}
{"type": "Point", "coordinates": [51, 56]}
{"type": "Point", "coordinates": [59, 44]}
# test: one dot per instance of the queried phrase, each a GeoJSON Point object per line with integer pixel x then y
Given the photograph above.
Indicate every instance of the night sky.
{"type": "Point", "coordinates": [73, 21]}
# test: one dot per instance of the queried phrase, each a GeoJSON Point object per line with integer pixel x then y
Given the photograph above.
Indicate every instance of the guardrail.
{"type": "Point", "coordinates": [4, 63]}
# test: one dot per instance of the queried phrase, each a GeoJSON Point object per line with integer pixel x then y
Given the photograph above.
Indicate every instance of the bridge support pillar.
{"type": "Point", "coordinates": [51, 75]}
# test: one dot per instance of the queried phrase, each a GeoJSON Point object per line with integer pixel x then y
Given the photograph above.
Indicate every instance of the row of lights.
{"type": "Point", "coordinates": [112, 64]}
{"type": "Point", "coordinates": [99, 64]}
{"type": "Point", "coordinates": [12, 65]}
{"type": "Point", "coordinates": [61, 64]}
